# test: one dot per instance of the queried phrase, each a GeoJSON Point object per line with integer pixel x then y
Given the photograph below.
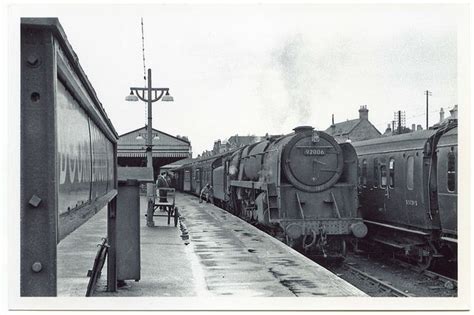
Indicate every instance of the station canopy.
{"type": "Point", "coordinates": [131, 148]}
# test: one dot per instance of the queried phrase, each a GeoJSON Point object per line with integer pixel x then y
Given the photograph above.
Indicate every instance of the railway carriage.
{"type": "Point", "coordinates": [408, 194]}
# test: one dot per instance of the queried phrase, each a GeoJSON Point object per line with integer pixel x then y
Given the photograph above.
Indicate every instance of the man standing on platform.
{"type": "Point", "coordinates": [162, 182]}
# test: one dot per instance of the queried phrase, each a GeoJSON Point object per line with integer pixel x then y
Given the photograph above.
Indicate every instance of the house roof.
{"type": "Point", "coordinates": [242, 140]}
{"type": "Point", "coordinates": [343, 128]}
{"type": "Point", "coordinates": [346, 127]}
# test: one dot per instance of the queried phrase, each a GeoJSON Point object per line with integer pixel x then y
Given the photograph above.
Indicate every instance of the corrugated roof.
{"type": "Point", "coordinates": [416, 135]}
{"type": "Point", "coordinates": [156, 131]}
{"type": "Point", "coordinates": [180, 162]}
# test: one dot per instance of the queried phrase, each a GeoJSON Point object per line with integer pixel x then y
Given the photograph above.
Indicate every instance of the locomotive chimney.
{"type": "Point", "coordinates": [413, 127]}
{"type": "Point", "coordinates": [441, 115]}
{"type": "Point", "coordinates": [363, 112]}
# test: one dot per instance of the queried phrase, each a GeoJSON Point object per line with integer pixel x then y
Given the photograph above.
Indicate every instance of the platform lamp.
{"type": "Point", "coordinates": [149, 95]}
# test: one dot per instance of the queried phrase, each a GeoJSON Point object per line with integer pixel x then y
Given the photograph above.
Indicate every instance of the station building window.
{"type": "Point", "coordinates": [391, 173]}
{"type": "Point", "coordinates": [410, 172]}
{"type": "Point", "coordinates": [451, 172]}
{"type": "Point", "coordinates": [376, 172]}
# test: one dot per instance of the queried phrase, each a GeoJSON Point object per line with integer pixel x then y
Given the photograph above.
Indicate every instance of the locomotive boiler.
{"type": "Point", "coordinates": [300, 187]}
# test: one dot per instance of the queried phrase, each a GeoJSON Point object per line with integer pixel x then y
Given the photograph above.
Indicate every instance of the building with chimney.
{"type": "Point", "coordinates": [233, 143]}
{"type": "Point", "coordinates": [453, 115]}
{"type": "Point", "coordinates": [355, 129]}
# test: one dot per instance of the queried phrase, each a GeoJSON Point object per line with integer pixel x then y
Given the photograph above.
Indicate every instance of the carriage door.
{"type": "Point", "coordinates": [377, 202]}
{"type": "Point", "coordinates": [393, 191]}
{"type": "Point", "coordinates": [187, 180]}
{"type": "Point", "coordinates": [415, 211]}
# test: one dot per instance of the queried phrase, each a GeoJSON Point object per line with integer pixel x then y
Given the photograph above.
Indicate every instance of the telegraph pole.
{"type": "Point", "coordinates": [427, 93]}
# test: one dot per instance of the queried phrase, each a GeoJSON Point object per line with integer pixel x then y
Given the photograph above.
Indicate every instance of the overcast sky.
{"type": "Point", "coordinates": [253, 69]}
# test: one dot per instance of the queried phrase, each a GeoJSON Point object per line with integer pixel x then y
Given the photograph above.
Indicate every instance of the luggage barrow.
{"type": "Point", "coordinates": [168, 205]}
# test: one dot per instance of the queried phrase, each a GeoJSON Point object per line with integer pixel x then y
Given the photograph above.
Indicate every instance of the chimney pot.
{"type": "Point", "coordinates": [454, 112]}
{"type": "Point", "coordinates": [363, 112]}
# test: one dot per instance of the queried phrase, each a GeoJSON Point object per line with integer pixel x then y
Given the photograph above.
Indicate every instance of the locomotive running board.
{"type": "Point", "coordinates": [397, 228]}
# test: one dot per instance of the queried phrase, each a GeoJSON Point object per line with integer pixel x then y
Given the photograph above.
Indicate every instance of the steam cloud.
{"type": "Point", "coordinates": [304, 76]}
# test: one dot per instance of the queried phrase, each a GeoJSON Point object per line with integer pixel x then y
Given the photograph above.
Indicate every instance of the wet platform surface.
{"type": "Point", "coordinates": [225, 257]}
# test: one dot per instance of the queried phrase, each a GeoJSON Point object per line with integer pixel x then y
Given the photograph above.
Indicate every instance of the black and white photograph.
{"type": "Point", "coordinates": [251, 156]}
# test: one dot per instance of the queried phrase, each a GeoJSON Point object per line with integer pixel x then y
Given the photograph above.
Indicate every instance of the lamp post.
{"type": "Point", "coordinates": [149, 95]}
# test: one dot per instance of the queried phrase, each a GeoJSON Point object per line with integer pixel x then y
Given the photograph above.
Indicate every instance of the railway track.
{"type": "Point", "coordinates": [388, 277]}
{"type": "Point", "coordinates": [448, 283]}
{"type": "Point", "coordinates": [378, 284]}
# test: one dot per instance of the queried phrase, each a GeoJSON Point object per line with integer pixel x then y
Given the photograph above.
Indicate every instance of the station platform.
{"type": "Point", "coordinates": [224, 256]}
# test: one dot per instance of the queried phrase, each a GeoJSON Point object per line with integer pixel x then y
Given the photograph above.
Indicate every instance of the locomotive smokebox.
{"type": "Point", "coordinates": [312, 160]}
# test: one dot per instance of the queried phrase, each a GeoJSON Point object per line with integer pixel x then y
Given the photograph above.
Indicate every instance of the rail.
{"type": "Point", "coordinates": [381, 284]}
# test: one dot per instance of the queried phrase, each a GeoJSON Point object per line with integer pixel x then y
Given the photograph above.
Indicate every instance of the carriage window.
{"type": "Point", "coordinates": [197, 175]}
{"type": "Point", "coordinates": [383, 175]}
{"type": "Point", "coordinates": [451, 172]}
{"type": "Point", "coordinates": [376, 172]}
{"type": "Point", "coordinates": [410, 172]}
{"type": "Point", "coordinates": [391, 170]}
{"type": "Point", "coordinates": [364, 172]}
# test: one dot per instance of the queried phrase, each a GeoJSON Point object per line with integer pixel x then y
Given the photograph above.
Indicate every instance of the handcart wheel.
{"type": "Point", "coordinates": [169, 214]}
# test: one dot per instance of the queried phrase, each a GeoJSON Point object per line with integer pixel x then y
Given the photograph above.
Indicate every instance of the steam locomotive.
{"type": "Point", "coordinates": [408, 192]}
{"type": "Point", "coordinates": [301, 188]}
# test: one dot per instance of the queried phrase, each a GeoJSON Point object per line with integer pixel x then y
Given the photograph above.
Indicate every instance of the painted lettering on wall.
{"type": "Point", "coordinates": [84, 155]}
